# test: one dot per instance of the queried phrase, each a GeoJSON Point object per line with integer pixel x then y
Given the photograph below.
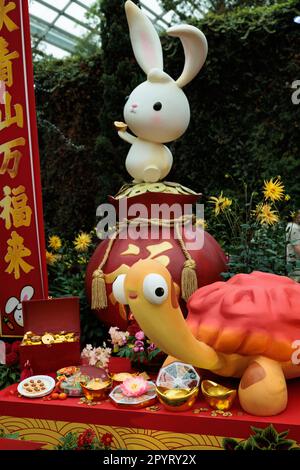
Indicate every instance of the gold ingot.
{"type": "Point", "coordinates": [177, 399]}
{"type": "Point", "coordinates": [120, 126]}
{"type": "Point", "coordinates": [218, 396]}
{"type": "Point", "coordinates": [96, 389]}
{"type": "Point", "coordinates": [47, 338]}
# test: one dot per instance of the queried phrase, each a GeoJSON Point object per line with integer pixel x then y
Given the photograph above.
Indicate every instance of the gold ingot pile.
{"type": "Point", "coordinates": [32, 339]}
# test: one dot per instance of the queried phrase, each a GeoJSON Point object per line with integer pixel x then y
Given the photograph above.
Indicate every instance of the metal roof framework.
{"type": "Point", "coordinates": [57, 25]}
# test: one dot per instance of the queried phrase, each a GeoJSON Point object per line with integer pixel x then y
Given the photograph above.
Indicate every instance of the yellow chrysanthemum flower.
{"type": "Point", "coordinates": [201, 223]}
{"type": "Point", "coordinates": [266, 215]}
{"type": "Point", "coordinates": [51, 258]}
{"type": "Point", "coordinates": [287, 197]}
{"type": "Point", "coordinates": [221, 203]}
{"type": "Point", "coordinates": [273, 189]}
{"type": "Point", "coordinates": [55, 242]}
{"type": "Point", "coordinates": [82, 242]}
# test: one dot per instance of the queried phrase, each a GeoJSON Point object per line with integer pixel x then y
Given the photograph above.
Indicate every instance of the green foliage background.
{"type": "Point", "coordinates": [243, 120]}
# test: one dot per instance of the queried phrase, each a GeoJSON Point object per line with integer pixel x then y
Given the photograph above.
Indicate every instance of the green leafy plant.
{"type": "Point", "coordinates": [252, 228]}
{"type": "Point", "coordinates": [6, 435]}
{"type": "Point", "coordinates": [8, 375]}
{"type": "Point", "coordinates": [262, 439]}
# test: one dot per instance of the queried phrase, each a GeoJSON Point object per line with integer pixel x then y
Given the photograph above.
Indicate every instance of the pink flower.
{"type": "Point", "coordinates": [138, 346]}
{"type": "Point", "coordinates": [134, 386]}
{"type": "Point", "coordinates": [151, 347]}
{"type": "Point", "coordinates": [140, 335]}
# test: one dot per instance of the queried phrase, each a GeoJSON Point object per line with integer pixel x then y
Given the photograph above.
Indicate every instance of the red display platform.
{"type": "Point", "coordinates": [13, 444]}
{"type": "Point", "coordinates": [47, 421]}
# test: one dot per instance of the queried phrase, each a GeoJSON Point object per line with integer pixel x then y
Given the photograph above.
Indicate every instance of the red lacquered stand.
{"type": "Point", "coordinates": [48, 421]}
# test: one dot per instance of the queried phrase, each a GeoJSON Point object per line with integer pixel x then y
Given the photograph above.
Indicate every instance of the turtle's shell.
{"type": "Point", "coordinates": [251, 314]}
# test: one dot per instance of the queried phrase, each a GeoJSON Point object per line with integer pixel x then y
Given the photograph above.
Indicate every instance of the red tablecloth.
{"type": "Point", "coordinates": [236, 425]}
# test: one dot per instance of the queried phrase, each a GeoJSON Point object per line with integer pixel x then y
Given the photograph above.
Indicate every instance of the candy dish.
{"type": "Point", "coordinates": [36, 386]}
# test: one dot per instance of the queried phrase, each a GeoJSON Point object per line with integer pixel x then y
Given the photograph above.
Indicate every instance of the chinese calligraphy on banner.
{"type": "Point", "coordinates": [22, 247]}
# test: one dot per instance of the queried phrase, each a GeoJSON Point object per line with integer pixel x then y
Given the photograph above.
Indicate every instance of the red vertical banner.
{"type": "Point", "coordinates": [23, 273]}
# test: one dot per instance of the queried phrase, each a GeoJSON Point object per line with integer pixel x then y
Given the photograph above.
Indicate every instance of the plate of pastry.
{"type": "Point", "coordinates": [36, 386]}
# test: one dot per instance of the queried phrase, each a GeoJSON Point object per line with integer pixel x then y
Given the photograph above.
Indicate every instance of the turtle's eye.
{"type": "Point", "coordinates": [155, 288]}
{"type": "Point", "coordinates": [118, 289]}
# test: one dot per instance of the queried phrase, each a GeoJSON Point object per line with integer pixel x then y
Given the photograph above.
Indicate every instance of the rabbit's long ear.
{"type": "Point", "coordinates": [144, 39]}
{"type": "Point", "coordinates": [195, 51]}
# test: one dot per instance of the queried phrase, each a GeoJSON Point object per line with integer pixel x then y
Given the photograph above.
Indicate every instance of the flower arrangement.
{"type": "Point", "coordinates": [133, 344]}
{"type": "Point", "coordinates": [98, 357]}
{"type": "Point", "coordinates": [87, 440]}
{"type": "Point", "coordinates": [251, 227]}
{"type": "Point", "coordinates": [134, 386]}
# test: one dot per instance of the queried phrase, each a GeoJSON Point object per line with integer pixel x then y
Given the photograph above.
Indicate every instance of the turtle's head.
{"type": "Point", "coordinates": [149, 291]}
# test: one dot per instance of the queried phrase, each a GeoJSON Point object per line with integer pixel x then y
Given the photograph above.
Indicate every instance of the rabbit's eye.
{"type": "Point", "coordinates": [157, 106]}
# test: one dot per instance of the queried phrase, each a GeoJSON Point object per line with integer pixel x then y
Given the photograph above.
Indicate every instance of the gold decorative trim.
{"type": "Point", "coordinates": [49, 433]}
{"type": "Point", "coordinates": [136, 189]}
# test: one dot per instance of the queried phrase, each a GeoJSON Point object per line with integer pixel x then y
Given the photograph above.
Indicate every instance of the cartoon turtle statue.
{"type": "Point", "coordinates": [246, 327]}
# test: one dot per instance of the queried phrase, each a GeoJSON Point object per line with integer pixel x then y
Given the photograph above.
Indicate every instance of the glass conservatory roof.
{"type": "Point", "coordinates": [56, 25]}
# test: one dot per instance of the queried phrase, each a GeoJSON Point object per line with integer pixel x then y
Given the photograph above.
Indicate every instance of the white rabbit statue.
{"type": "Point", "coordinates": [157, 111]}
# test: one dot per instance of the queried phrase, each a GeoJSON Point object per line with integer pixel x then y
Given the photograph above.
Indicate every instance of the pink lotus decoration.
{"type": "Point", "coordinates": [134, 386]}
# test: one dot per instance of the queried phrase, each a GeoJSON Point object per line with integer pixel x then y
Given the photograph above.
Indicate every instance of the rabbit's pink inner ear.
{"type": "Point", "coordinates": [148, 51]}
{"type": "Point", "coordinates": [144, 39]}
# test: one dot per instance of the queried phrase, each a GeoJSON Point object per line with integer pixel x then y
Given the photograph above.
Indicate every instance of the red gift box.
{"type": "Point", "coordinates": [53, 316]}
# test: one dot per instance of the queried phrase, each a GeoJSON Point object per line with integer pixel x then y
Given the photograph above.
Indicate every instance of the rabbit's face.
{"type": "Point", "coordinates": [157, 110]}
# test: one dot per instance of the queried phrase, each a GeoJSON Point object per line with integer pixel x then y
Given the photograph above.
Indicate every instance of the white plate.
{"type": "Point", "coordinates": [49, 383]}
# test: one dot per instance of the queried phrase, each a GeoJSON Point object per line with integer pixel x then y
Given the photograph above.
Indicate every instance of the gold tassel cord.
{"type": "Point", "coordinates": [189, 282]}
{"type": "Point", "coordinates": [99, 297]}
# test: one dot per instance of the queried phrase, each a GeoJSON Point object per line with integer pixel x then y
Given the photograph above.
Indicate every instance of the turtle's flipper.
{"type": "Point", "coordinates": [262, 390]}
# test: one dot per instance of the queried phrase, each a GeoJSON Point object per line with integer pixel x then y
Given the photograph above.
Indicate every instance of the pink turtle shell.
{"type": "Point", "coordinates": [251, 314]}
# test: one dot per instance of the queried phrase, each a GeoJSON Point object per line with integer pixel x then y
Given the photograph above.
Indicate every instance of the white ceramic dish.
{"type": "Point", "coordinates": [119, 398]}
{"type": "Point", "coordinates": [48, 383]}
